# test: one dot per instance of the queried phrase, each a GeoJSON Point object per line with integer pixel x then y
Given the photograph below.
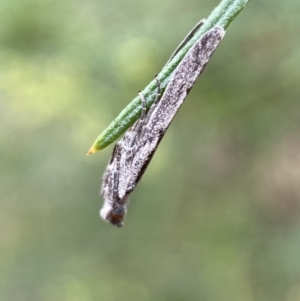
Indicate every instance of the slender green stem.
{"type": "Point", "coordinates": [222, 15]}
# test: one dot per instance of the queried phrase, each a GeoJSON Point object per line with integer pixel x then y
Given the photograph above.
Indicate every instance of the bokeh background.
{"type": "Point", "coordinates": [217, 214]}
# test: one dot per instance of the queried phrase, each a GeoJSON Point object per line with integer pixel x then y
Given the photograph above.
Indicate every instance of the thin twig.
{"type": "Point", "coordinates": [222, 15]}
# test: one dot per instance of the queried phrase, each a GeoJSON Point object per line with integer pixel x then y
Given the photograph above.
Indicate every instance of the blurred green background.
{"type": "Point", "coordinates": [217, 214]}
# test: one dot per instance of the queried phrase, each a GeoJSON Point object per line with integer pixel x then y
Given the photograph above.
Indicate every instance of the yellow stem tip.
{"type": "Point", "coordinates": [91, 151]}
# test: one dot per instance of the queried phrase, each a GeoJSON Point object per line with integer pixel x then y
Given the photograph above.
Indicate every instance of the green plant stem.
{"type": "Point", "coordinates": [222, 15]}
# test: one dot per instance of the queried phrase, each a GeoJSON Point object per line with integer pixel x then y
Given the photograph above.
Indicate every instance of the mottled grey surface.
{"type": "Point", "coordinates": [134, 151]}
